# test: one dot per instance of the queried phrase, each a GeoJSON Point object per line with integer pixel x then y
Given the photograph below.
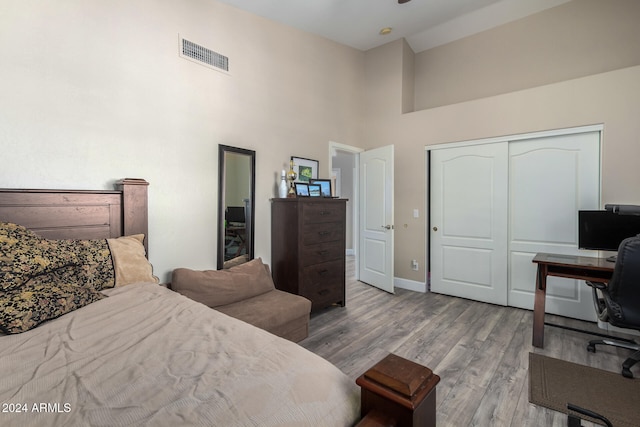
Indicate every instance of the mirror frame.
{"type": "Point", "coordinates": [222, 150]}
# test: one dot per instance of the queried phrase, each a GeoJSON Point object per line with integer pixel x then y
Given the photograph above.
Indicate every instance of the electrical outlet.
{"type": "Point", "coordinates": [414, 265]}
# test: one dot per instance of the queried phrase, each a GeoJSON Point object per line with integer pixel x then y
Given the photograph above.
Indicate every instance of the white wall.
{"type": "Point", "coordinates": [485, 92]}
{"type": "Point", "coordinates": [579, 38]}
{"type": "Point", "coordinates": [92, 92]}
{"type": "Point", "coordinates": [611, 99]}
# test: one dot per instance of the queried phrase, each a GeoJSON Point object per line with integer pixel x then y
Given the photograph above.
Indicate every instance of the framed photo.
{"type": "Point", "coordinates": [302, 189]}
{"type": "Point", "coordinates": [306, 169]}
{"type": "Point", "coordinates": [314, 190]}
{"type": "Point", "coordinates": [325, 186]}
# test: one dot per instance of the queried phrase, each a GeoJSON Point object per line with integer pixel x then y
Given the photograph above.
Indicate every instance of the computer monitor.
{"type": "Point", "coordinates": [604, 230]}
{"type": "Point", "coordinates": [235, 214]}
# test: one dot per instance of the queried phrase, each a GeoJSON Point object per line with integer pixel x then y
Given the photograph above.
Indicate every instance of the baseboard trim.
{"type": "Point", "coordinates": [410, 285]}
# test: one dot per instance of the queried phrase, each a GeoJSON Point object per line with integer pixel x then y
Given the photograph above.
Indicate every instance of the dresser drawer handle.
{"type": "Point", "coordinates": [322, 272]}
{"type": "Point", "coordinates": [324, 233]}
{"type": "Point", "coordinates": [323, 292]}
{"type": "Point", "coordinates": [325, 212]}
{"type": "Point", "coordinates": [322, 252]}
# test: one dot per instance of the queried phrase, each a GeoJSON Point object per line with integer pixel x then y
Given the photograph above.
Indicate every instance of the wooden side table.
{"type": "Point", "coordinates": [398, 392]}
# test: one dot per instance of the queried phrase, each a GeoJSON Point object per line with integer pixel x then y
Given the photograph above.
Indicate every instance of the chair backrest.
{"type": "Point", "coordinates": [623, 292]}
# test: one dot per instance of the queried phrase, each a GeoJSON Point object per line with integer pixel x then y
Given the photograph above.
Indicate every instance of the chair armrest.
{"type": "Point", "coordinates": [597, 285]}
{"type": "Point", "coordinates": [586, 412]}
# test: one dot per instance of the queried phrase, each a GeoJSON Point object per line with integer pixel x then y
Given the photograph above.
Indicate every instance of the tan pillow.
{"type": "Point", "coordinates": [129, 261]}
{"type": "Point", "coordinates": [221, 287]}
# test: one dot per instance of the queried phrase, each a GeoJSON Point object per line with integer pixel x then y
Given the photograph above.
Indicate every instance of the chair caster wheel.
{"type": "Point", "coordinates": [591, 348]}
{"type": "Point", "coordinates": [626, 372]}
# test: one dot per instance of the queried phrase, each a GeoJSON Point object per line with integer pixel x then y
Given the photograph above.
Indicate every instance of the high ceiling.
{"type": "Point", "coordinates": [423, 23]}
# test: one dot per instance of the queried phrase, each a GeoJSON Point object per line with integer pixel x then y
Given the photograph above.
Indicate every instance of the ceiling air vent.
{"type": "Point", "coordinates": [202, 55]}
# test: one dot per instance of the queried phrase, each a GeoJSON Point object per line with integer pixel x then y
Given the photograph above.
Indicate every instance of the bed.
{"type": "Point", "coordinates": [125, 350]}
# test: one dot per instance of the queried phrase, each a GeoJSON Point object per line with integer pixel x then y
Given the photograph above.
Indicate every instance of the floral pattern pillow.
{"type": "Point", "coordinates": [95, 266]}
{"type": "Point", "coordinates": [41, 279]}
{"type": "Point", "coordinates": [43, 298]}
{"type": "Point", "coordinates": [24, 254]}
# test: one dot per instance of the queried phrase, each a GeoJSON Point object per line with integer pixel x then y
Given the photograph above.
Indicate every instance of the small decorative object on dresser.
{"type": "Point", "coordinates": [283, 188]}
{"type": "Point", "coordinates": [308, 248]}
{"type": "Point", "coordinates": [291, 176]}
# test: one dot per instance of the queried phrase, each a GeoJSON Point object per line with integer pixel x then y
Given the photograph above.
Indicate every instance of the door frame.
{"type": "Point", "coordinates": [333, 146]}
{"type": "Point", "coordinates": [518, 137]}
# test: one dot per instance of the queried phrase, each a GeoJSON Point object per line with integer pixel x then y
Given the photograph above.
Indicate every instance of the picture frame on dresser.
{"type": "Point", "coordinates": [325, 186]}
{"type": "Point", "coordinates": [302, 189]}
{"type": "Point", "coordinates": [305, 169]}
{"type": "Point", "coordinates": [315, 190]}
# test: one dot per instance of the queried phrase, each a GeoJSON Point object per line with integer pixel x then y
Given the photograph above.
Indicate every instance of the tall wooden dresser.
{"type": "Point", "coordinates": [308, 248]}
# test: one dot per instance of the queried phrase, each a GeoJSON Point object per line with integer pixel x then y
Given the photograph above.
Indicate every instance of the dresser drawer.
{"type": "Point", "coordinates": [322, 212]}
{"type": "Point", "coordinates": [322, 275]}
{"type": "Point", "coordinates": [324, 297]}
{"type": "Point", "coordinates": [323, 284]}
{"type": "Point", "coordinates": [323, 232]}
{"type": "Point", "coordinates": [321, 253]}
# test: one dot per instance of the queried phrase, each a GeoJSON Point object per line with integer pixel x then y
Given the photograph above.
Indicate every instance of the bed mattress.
{"type": "Point", "coordinates": [149, 356]}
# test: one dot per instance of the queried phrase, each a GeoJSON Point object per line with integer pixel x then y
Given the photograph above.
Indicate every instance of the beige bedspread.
{"type": "Point", "coordinates": [149, 356]}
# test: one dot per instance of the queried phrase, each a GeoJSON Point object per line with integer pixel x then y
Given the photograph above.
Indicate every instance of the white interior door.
{"type": "Point", "coordinates": [376, 218]}
{"type": "Point", "coordinates": [468, 222]}
{"type": "Point", "coordinates": [550, 179]}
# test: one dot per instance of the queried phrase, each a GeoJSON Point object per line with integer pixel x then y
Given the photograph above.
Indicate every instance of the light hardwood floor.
{"type": "Point", "coordinates": [480, 351]}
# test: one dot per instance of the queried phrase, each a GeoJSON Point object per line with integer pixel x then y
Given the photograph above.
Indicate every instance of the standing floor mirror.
{"type": "Point", "coordinates": [236, 201]}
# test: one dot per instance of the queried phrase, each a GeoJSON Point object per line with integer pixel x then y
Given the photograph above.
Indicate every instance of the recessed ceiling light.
{"type": "Point", "coordinates": [385, 31]}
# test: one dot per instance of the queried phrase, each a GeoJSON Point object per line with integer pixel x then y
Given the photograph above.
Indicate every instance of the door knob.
{"type": "Point", "coordinates": [387, 227]}
{"type": "Point", "coordinates": [435, 228]}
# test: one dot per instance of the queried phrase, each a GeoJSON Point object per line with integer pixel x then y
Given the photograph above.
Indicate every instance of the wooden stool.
{"type": "Point", "coordinates": [398, 392]}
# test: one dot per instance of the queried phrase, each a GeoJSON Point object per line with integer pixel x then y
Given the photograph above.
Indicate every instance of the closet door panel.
{"type": "Point", "coordinates": [468, 217]}
{"type": "Point", "coordinates": [478, 263]}
{"type": "Point", "coordinates": [550, 179]}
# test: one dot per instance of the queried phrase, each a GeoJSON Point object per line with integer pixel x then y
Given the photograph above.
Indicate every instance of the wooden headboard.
{"type": "Point", "coordinates": [80, 214]}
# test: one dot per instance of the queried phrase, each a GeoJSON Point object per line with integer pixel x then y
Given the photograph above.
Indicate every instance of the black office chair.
{"type": "Point", "coordinates": [620, 301]}
{"type": "Point", "coordinates": [574, 421]}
